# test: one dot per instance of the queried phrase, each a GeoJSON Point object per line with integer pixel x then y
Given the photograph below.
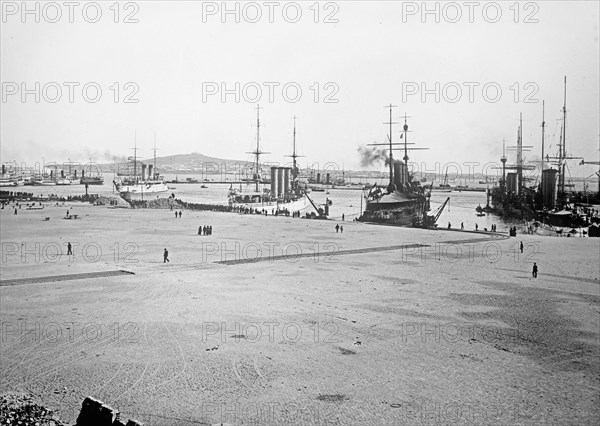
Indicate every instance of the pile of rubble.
{"type": "Point", "coordinates": [22, 410]}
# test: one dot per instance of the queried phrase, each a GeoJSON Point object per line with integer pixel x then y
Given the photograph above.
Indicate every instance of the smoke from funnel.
{"type": "Point", "coordinates": [371, 155]}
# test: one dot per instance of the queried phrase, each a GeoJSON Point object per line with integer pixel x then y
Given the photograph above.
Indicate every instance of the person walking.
{"type": "Point", "coordinates": [534, 271]}
{"type": "Point", "coordinates": [521, 246]}
{"type": "Point", "coordinates": [337, 228]}
{"type": "Point", "coordinates": [200, 230]}
{"type": "Point", "coordinates": [69, 249]}
{"type": "Point", "coordinates": [342, 229]}
{"type": "Point", "coordinates": [166, 256]}
{"type": "Point", "coordinates": [462, 226]}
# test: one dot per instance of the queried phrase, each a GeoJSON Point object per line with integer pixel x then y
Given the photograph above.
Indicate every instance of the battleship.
{"type": "Point", "coordinates": [404, 202]}
{"type": "Point", "coordinates": [285, 193]}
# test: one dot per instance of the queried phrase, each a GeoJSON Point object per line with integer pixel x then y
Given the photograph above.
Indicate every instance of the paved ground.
{"type": "Point", "coordinates": [284, 321]}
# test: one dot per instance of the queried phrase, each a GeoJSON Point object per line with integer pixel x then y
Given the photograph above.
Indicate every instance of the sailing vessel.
{"type": "Point", "coordinates": [285, 193]}
{"type": "Point", "coordinates": [445, 185]}
{"type": "Point", "coordinates": [131, 185]}
{"type": "Point", "coordinates": [404, 202]}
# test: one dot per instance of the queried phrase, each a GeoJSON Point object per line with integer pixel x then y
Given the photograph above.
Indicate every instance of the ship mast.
{"type": "Point", "coordinates": [294, 156]}
{"type": "Point", "coordinates": [154, 168]}
{"type": "Point", "coordinates": [562, 150]}
{"type": "Point", "coordinates": [258, 152]}
{"type": "Point", "coordinates": [257, 143]}
{"type": "Point", "coordinates": [503, 160]}
{"type": "Point", "coordinates": [406, 143]}
{"type": "Point", "coordinates": [134, 154]}
{"type": "Point", "coordinates": [542, 164]}
{"type": "Point", "coordinates": [520, 156]}
{"type": "Point", "coordinates": [391, 157]}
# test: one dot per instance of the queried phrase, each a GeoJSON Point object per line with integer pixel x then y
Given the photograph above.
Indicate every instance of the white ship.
{"type": "Point", "coordinates": [145, 186]}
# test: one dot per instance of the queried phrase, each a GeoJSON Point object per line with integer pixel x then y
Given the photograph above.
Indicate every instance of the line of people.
{"type": "Point", "coordinates": [205, 230]}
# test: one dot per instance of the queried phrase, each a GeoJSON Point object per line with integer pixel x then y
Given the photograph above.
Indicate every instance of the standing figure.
{"type": "Point", "coordinates": [521, 246]}
{"type": "Point", "coordinates": [337, 228]}
{"type": "Point", "coordinates": [69, 251]}
{"type": "Point", "coordinates": [165, 256]}
{"type": "Point", "coordinates": [534, 271]}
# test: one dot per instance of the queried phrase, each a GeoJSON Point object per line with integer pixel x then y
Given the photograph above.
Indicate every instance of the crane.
{"type": "Point", "coordinates": [431, 220]}
{"type": "Point", "coordinates": [597, 163]}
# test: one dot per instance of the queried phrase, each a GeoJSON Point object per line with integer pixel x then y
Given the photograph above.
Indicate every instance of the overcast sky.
{"type": "Point", "coordinates": [376, 53]}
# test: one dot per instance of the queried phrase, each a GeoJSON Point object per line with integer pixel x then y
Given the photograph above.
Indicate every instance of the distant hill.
{"type": "Point", "coordinates": [188, 163]}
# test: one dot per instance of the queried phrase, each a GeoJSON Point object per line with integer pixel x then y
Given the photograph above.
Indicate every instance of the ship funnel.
{"type": "Point", "coordinates": [286, 181]}
{"type": "Point", "coordinates": [511, 182]}
{"type": "Point", "coordinates": [549, 188]}
{"type": "Point", "coordinates": [318, 177]}
{"type": "Point", "coordinates": [274, 186]}
{"type": "Point", "coordinates": [75, 171]}
{"type": "Point", "coordinates": [150, 170]}
{"type": "Point", "coordinates": [143, 171]}
{"type": "Point", "coordinates": [279, 181]}
{"type": "Point", "coordinates": [328, 177]}
{"type": "Point", "coordinates": [82, 174]}
{"type": "Point", "coordinates": [3, 169]}
{"type": "Point", "coordinates": [400, 174]}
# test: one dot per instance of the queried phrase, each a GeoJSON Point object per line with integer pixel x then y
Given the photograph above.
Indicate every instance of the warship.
{"type": "Point", "coordinates": [283, 193]}
{"type": "Point", "coordinates": [404, 202]}
{"type": "Point", "coordinates": [550, 202]}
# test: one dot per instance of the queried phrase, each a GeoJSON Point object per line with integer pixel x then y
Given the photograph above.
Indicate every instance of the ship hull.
{"type": "Point", "coordinates": [143, 190]}
{"type": "Point", "coordinates": [397, 208]}
{"type": "Point", "coordinates": [91, 181]}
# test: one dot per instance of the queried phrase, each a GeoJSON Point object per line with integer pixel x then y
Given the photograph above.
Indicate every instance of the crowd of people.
{"type": "Point", "coordinates": [10, 196]}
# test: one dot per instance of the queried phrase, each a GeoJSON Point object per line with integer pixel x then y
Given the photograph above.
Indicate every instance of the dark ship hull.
{"type": "Point", "coordinates": [403, 203]}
